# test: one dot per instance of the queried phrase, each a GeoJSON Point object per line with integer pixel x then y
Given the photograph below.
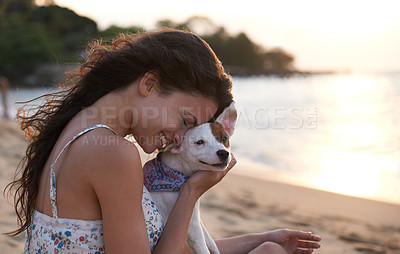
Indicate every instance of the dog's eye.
{"type": "Point", "coordinates": [200, 142]}
{"type": "Point", "coordinates": [224, 139]}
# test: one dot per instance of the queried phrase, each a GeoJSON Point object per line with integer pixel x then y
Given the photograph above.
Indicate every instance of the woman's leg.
{"type": "Point", "coordinates": [269, 248]}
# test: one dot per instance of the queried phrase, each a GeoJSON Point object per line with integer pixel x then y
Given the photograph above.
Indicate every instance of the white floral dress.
{"type": "Point", "coordinates": [60, 235]}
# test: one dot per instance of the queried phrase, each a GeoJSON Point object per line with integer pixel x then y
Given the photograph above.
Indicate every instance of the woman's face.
{"type": "Point", "coordinates": [163, 120]}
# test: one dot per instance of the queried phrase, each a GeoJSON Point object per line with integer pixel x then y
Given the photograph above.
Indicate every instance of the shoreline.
{"type": "Point", "coordinates": [282, 178]}
{"type": "Point", "coordinates": [241, 204]}
{"type": "Point", "coordinates": [248, 168]}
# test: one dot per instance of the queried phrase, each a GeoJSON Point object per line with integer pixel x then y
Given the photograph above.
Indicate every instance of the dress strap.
{"type": "Point", "coordinates": [53, 192]}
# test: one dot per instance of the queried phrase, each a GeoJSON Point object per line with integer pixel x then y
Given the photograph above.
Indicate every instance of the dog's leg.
{"type": "Point", "coordinates": [195, 237]}
{"type": "Point", "coordinates": [209, 241]}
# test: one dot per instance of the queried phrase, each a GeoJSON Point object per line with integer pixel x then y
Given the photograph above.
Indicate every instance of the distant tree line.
{"type": "Point", "coordinates": [238, 53]}
{"type": "Point", "coordinates": [32, 35]}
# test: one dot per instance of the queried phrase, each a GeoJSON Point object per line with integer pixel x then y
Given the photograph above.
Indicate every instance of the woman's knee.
{"type": "Point", "coordinates": [269, 247]}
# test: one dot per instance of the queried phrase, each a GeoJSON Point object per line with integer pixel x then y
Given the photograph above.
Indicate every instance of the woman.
{"type": "Point", "coordinates": [81, 186]}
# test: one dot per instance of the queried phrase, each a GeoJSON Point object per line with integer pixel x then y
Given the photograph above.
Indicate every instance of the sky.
{"type": "Point", "coordinates": [341, 35]}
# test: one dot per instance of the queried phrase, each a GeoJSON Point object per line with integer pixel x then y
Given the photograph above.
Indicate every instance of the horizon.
{"type": "Point", "coordinates": [356, 36]}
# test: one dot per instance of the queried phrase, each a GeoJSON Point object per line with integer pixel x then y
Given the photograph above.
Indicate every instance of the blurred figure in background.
{"type": "Point", "coordinates": [4, 85]}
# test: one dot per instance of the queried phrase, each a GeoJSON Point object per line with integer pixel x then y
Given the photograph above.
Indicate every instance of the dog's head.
{"type": "Point", "coordinates": [207, 146]}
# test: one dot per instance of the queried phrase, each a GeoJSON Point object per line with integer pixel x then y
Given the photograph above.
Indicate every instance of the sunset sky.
{"type": "Point", "coordinates": [351, 35]}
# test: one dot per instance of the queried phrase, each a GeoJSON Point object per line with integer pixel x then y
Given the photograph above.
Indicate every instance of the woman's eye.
{"type": "Point", "coordinates": [199, 142]}
{"type": "Point", "coordinates": [188, 120]}
{"type": "Point", "coordinates": [184, 122]}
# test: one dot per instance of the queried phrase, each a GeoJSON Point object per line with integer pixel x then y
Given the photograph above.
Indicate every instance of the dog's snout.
{"type": "Point", "coordinates": [223, 155]}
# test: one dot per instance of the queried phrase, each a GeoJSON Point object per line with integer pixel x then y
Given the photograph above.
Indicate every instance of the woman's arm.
{"type": "Point", "coordinates": [290, 240]}
{"type": "Point", "coordinates": [118, 184]}
{"type": "Point", "coordinates": [173, 238]}
{"type": "Point", "coordinates": [239, 244]}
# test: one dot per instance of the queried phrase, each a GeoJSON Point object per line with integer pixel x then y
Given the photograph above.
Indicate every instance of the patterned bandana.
{"type": "Point", "coordinates": [159, 177]}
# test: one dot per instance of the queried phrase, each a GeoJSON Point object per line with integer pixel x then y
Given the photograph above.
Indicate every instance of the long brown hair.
{"type": "Point", "coordinates": [182, 60]}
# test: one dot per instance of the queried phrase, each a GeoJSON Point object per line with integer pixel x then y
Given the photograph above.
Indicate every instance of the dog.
{"type": "Point", "coordinates": [204, 147]}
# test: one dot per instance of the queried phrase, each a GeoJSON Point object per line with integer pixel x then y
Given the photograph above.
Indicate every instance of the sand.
{"type": "Point", "coordinates": [12, 147]}
{"type": "Point", "coordinates": [241, 204]}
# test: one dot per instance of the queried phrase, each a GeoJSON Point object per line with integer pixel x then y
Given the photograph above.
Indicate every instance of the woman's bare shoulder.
{"type": "Point", "coordinates": [105, 155]}
{"type": "Point", "coordinates": [114, 172]}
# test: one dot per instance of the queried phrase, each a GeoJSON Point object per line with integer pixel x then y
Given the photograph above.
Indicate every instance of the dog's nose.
{"type": "Point", "coordinates": [223, 155]}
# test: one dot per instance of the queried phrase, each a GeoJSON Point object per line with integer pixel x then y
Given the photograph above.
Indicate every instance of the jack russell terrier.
{"type": "Point", "coordinates": [204, 147]}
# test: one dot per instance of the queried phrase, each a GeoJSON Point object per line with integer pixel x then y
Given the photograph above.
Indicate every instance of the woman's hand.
{"type": "Point", "coordinates": [202, 180]}
{"type": "Point", "coordinates": [294, 241]}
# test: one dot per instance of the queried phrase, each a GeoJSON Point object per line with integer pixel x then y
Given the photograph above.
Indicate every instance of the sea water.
{"type": "Point", "coordinates": [339, 133]}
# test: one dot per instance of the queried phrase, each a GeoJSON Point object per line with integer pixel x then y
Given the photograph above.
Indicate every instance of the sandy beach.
{"type": "Point", "coordinates": [241, 204]}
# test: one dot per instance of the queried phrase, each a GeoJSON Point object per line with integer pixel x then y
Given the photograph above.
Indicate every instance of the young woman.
{"type": "Point", "coordinates": [80, 187]}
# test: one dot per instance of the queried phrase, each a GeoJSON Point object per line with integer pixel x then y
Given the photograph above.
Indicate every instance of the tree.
{"type": "Point", "coordinates": [241, 56]}
{"type": "Point", "coordinates": [32, 35]}
{"type": "Point", "coordinates": [171, 24]}
{"type": "Point", "coordinates": [113, 31]}
{"type": "Point", "coordinates": [65, 27]}
{"type": "Point", "coordinates": [278, 61]}
{"type": "Point", "coordinates": [16, 6]}
{"type": "Point", "coordinates": [22, 44]}
{"type": "Point", "coordinates": [238, 53]}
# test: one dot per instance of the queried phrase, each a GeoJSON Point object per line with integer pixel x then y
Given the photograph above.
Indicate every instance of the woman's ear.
{"type": "Point", "coordinates": [148, 83]}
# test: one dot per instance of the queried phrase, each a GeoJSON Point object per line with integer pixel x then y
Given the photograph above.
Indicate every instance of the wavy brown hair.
{"type": "Point", "coordinates": [183, 61]}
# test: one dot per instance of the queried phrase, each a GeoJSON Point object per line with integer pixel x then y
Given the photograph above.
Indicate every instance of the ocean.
{"type": "Point", "coordinates": [338, 132]}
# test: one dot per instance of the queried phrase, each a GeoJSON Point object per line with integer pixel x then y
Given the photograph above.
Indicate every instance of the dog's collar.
{"type": "Point", "coordinates": [159, 177]}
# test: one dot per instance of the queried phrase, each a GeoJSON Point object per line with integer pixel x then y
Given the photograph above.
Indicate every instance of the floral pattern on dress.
{"type": "Point", "coordinates": [58, 235]}
{"type": "Point", "coordinates": [153, 218]}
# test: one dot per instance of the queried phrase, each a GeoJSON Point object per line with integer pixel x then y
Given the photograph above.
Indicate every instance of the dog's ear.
{"type": "Point", "coordinates": [173, 148]}
{"type": "Point", "coordinates": [176, 149]}
{"type": "Point", "coordinates": [228, 118]}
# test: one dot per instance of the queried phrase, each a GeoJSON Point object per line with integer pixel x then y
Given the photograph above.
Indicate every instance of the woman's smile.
{"type": "Point", "coordinates": [163, 139]}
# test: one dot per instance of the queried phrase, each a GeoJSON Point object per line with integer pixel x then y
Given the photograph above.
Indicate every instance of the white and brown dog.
{"type": "Point", "coordinates": [204, 147]}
